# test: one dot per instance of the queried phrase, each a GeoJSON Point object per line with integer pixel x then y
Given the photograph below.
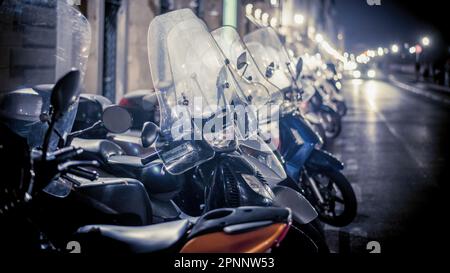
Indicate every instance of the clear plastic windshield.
{"type": "Point", "coordinates": [233, 48]}
{"type": "Point", "coordinates": [43, 43]}
{"type": "Point", "coordinates": [253, 148]}
{"type": "Point", "coordinates": [194, 89]}
{"type": "Point", "coordinates": [271, 57]}
{"type": "Point", "coordinates": [241, 60]}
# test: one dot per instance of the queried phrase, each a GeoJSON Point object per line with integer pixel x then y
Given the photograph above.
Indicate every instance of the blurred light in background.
{"type": "Point", "coordinates": [273, 22]}
{"type": "Point", "coordinates": [248, 9]}
{"type": "Point", "coordinates": [274, 2]}
{"type": "Point", "coordinates": [299, 19]}
{"type": "Point", "coordinates": [380, 51]}
{"type": "Point", "coordinates": [319, 38]}
{"type": "Point", "coordinates": [265, 18]}
{"type": "Point", "coordinates": [418, 49]}
{"type": "Point", "coordinates": [258, 13]}
{"type": "Point", "coordinates": [371, 73]}
{"type": "Point", "coordinates": [412, 50]}
{"type": "Point", "coordinates": [356, 74]}
{"type": "Point", "coordinates": [394, 49]}
{"type": "Point", "coordinates": [426, 41]}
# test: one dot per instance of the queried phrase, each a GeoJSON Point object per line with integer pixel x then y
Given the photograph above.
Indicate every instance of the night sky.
{"type": "Point", "coordinates": [393, 22]}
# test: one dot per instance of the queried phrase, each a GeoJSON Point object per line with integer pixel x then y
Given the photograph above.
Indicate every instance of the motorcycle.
{"type": "Point", "coordinates": [314, 172]}
{"type": "Point", "coordinates": [48, 195]}
{"type": "Point", "coordinates": [233, 170]}
{"type": "Point", "coordinates": [318, 107]}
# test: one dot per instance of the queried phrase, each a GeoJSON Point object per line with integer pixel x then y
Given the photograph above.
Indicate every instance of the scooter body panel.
{"type": "Point", "coordinates": [298, 140]}
{"type": "Point", "coordinates": [302, 210]}
{"type": "Point", "coordinates": [320, 160]}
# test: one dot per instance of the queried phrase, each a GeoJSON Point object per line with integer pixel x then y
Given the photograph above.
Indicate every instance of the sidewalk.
{"type": "Point", "coordinates": [431, 91]}
{"type": "Point", "coordinates": [410, 78]}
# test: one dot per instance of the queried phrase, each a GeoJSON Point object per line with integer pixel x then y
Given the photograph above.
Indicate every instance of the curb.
{"type": "Point", "coordinates": [419, 91]}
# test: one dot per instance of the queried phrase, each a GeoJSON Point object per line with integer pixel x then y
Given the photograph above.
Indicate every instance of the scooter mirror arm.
{"type": "Point", "coordinates": [73, 135]}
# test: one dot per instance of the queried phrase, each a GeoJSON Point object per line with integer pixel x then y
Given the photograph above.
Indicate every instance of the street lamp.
{"type": "Point", "coordinates": [273, 22]}
{"type": "Point", "coordinates": [394, 49]}
{"type": "Point", "coordinates": [319, 38]}
{"type": "Point", "coordinates": [426, 41]}
{"type": "Point", "coordinates": [299, 19]}
{"type": "Point", "coordinates": [380, 51]}
{"type": "Point", "coordinates": [248, 9]}
{"type": "Point", "coordinates": [258, 13]}
{"type": "Point", "coordinates": [265, 18]}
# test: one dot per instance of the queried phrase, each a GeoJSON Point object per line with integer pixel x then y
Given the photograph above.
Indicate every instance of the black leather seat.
{"type": "Point", "coordinates": [146, 239]}
{"type": "Point", "coordinates": [127, 197]}
{"type": "Point", "coordinates": [156, 180]}
{"type": "Point", "coordinates": [99, 149]}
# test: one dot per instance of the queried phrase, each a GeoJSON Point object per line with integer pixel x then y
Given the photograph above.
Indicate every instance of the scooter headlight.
{"type": "Point", "coordinates": [258, 186]}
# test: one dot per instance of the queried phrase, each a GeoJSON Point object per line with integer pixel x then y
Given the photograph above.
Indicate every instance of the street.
{"type": "Point", "coordinates": [395, 147]}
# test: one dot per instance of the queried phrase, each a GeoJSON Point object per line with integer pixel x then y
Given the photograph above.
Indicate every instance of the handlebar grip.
{"type": "Point", "coordinates": [73, 163]}
{"type": "Point", "coordinates": [81, 172]}
{"type": "Point", "coordinates": [149, 159]}
{"type": "Point", "coordinates": [65, 153]}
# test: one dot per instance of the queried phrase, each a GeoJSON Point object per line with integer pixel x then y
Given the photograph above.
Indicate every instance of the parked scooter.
{"type": "Point", "coordinates": [319, 105]}
{"type": "Point", "coordinates": [48, 195]}
{"type": "Point", "coordinates": [230, 177]}
{"type": "Point", "coordinates": [316, 173]}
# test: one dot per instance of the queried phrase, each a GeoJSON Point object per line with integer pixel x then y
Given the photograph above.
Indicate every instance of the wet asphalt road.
{"type": "Point", "coordinates": [396, 147]}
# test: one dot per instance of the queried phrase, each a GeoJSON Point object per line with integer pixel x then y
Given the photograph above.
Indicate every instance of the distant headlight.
{"type": "Point", "coordinates": [356, 74]}
{"type": "Point", "coordinates": [371, 73]}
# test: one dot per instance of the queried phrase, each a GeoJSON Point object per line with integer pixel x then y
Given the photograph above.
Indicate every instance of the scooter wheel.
{"type": "Point", "coordinates": [340, 206]}
{"type": "Point", "coordinates": [332, 124]}
{"type": "Point", "coordinates": [341, 108]}
{"type": "Point", "coordinates": [304, 238]}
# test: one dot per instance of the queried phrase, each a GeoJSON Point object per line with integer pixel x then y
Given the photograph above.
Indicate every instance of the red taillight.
{"type": "Point", "coordinates": [125, 102]}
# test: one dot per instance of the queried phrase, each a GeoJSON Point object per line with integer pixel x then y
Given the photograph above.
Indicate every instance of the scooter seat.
{"type": "Point", "coordinates": [145, 239]}
{"type": "Point", "coordinates": [99, 149]}
{"type": "Point", "coordinates": [158, 182]}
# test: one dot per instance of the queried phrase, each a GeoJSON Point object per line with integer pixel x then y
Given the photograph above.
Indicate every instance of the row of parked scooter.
{"type": "Point", "coordinates": [177, 169]}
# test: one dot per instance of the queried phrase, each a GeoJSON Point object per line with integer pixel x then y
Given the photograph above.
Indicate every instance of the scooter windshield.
{"type": "Point", "coordinates": [241, 60]}
{"type": "Point", "coordinates": [271, 57]}
{"type": "Point", "coordinates": [195, 89]}
{"type": "Point", "coordinates": [43, 44]}
{"type": "Point", "coordinates": [249, 79]}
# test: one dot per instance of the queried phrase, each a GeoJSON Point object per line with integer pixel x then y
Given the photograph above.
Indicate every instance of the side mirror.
{"type": "Point", "coordinates": [150, 132]}
{"type": "Point", "coordinates": [116, 119]}
{"type": "Point", "coordinates": [270, 69]}
{"type": "Point", "coordinates": [299, 68]}
{"type": "Point", "coordinates": [65, 93]}
{"type": "Point", "coordinates": [242, 60]}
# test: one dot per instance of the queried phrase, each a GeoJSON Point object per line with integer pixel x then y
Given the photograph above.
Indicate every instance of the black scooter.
{"type": "Point", "coordinates": [61, 195]}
